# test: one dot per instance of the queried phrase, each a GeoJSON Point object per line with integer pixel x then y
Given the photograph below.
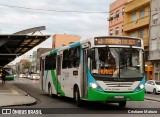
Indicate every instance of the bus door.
{"type": "Point", "coordinates": [42, 73]}
{"type": "Point", "coordinates": [84, 79]}
{"type": "Point", "coordinates": [58, 76]}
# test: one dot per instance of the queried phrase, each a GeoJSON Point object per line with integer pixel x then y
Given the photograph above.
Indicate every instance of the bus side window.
{"type": "Point", "coordinates": [47, 63]}
{"type": "Point", "coordinates": [40, 64]}
{"type": "Point", "coordinates": [71, 56]}
{"type": "Point", "coordinates": [65, 59]}
{"type": "Point", "coordinates": [53, 61]}
{"type": "Point", "coordinates": [76, 59]}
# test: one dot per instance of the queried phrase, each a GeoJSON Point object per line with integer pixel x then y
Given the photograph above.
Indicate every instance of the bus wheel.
{"type": "Point", "coordinates": [50, 90]}
{"type": "Point", "coordinates": [122, 104]}
{"type": "Point", "coordinates": [77, 97]}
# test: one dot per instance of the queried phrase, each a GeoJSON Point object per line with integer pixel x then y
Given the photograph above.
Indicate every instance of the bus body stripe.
{"type": "Point", "coordinates": [92, 80]}
{"type": "Point", "coordinates": [75, 44]}
{"type": "Point", "coordinates": [54, 83]}
{"type": "Point", "coordinates": [53, 79]}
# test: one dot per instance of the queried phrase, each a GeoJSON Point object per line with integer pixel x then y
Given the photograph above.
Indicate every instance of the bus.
{"type": "Point", "coordinates": [106, 69]}
{"type": "Point", "coordinates": [9, 73]}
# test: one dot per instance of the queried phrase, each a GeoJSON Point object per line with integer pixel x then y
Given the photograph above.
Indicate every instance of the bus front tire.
{"type": "Point", "coordinates": [122, 104]}
{"type": "Point", "coordinates": [77, 97]}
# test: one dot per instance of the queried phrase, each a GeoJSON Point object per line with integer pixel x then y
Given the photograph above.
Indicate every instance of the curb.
{"type": "Point", "coordinates": [22, 101]}
{"type": "Point", "coordinates": [17, 97]}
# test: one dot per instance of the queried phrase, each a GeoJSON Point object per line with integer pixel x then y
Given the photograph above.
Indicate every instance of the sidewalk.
{"type": "Point", "coordinates": [12, 96]}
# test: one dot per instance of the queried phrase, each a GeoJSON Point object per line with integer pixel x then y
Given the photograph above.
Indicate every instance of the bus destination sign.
{"type": "Point", "coordinates": [117, 41]}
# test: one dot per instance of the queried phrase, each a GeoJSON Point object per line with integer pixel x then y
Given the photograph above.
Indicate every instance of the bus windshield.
{"type": "Point", "coordinates": [9, 71]}
{"type": "Point", "coordinates": [118, 62]}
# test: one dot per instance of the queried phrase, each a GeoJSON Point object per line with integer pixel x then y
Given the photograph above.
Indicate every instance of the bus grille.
{"type": "Point", "coordinates": [119, 84]}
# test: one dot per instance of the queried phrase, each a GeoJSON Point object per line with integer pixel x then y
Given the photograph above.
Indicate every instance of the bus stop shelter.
{"type": "Point", "coordinates": [14, 45]}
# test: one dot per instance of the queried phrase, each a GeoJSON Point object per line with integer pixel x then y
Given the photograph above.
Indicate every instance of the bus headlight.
{"type": "Point", "coordinates": [141, 86]}
{"type": "Point", "coordinates": [93, 85]}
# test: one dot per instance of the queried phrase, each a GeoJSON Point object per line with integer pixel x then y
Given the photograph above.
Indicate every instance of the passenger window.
{"type": "Point", "coordinates": [47, 63]}
{"type": "Point", "coordinates": [71, 58]}
{"type": "Point", "coordinates": [65, 59]}
{"type": "Point", "coordinates": [53, 61]}
{"type": "Point", "coordinates": [76, 58]}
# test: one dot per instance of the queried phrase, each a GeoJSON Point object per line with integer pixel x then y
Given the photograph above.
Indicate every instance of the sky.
{"type": "Point", "coordinates": [85, 25]}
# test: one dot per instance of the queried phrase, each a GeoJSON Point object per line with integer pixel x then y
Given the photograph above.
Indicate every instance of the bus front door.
{"type": "Point", "coordinates": [84, 79]}
{"type": "Point", "coordinates": [58, 76]}
{"type": "Point", "coordinates": [42, 74]}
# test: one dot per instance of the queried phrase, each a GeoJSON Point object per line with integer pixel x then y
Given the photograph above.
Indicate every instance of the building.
{"type": "Point", "coordinates": [63, 39]}
{"type": "Point", "coordinates": [23, 66]}
{"type": "Point", "coordinates": [34, 62]}
{"type": "Point", "coordinates": [154, 46]}
{"type": "Point", "coordinates": [136, 22]}
{"type": "Point", "coordinates": [39, 52]}
{"type": "Point", "coordinates": [116, 18]}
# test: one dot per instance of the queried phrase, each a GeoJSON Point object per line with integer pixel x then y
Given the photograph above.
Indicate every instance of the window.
{"type": "Point", "coordinates": [111, 16]}
{"type": "Point", "coordinates": [65, 59]}
{"type": "Point", "coordinates": [155, 19]}
{"type": "Point", "coordinates": [111, 32]}
{"type": "Point", "coordinates": [133, 34]}
{"type": "Point", "coordinates": [52, 61]}
{"type": "Point", "coordinates": [123, 11]}
{"type": "Point", "coordinates": [153, 44]}
{"type": "Point", "coordinates": [122, 28]}
{"type": "Point", "coordinates": [71, 58]}
{"type": "Point", "coordinates": [151, 82]}
{"type": "Point", "coordinates": [134, 17]}
{"type": "Point", "coordinates": [117, 14]}
{"type": "Point", "coordinates": [117, 29]}
{"type": "Point", "coordinates": [141, 33]}
{"type": "Point", "coordinates": [47, 63]}
{"type": "Point", "coordinates": [148, 82]}
{"type": "Point", "coordinates": [156, 65]}
{"type": "Point", "coordinates": [76, 58]}
{"type": "Point", "coordinates": [141, 14]}
{"type": "Point", "coordinates": [146, 53]}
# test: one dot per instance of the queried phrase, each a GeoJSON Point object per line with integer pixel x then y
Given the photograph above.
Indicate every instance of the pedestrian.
{"type": "Point", "coordinates": [3, 76]}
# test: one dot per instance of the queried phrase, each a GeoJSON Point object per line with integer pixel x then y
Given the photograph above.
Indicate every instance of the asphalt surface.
{"type": "Point", "coordinates": [32, 87]}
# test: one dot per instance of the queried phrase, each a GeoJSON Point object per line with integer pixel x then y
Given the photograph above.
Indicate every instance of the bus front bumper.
{"type": "Point", "coordinates": [94, 95]}
{"type": "Point", "coordinates": [9, 77]}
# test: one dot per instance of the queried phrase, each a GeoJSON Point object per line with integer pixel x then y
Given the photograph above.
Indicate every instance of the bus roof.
{"type": "Point", "coordinates": [75, 44]}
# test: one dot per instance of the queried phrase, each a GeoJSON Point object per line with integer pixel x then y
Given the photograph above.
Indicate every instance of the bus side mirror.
{"type": "Point", "coordinates": [89, 53]}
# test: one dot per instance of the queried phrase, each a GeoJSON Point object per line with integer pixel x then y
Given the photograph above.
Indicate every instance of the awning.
{"type": "Point", "coordinates": [13, 45]}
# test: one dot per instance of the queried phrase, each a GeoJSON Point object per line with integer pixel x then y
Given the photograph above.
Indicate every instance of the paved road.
{"type": "Point", "coordinates": [153, 95]}
{"type": "Point", "coordinates": [43, 100]}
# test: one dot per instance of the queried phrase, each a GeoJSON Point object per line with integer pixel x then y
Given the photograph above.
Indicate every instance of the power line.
{"type": "Point", "coordinates": [52, 10]}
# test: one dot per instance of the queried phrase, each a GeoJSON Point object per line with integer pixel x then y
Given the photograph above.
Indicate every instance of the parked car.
{"type": "Point", "coordinates": [34, 76]}
{"type": "Point", "coordinates": [152, 86]}
{"type": "Point", "coordinates": [22, 75]}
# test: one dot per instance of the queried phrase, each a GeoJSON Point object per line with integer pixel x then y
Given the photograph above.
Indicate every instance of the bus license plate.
{"type": "Point", "coordinates": [119, 97]}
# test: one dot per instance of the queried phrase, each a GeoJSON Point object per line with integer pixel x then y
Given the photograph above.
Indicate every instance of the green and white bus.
{"type": "Point", "coordinates": [9, 73]}
{"type": "Point", "coordinates": [108, 69]}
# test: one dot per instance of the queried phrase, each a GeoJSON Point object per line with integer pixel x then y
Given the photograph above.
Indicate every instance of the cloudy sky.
{"type": "Point", "coordinates": [85, 25]}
